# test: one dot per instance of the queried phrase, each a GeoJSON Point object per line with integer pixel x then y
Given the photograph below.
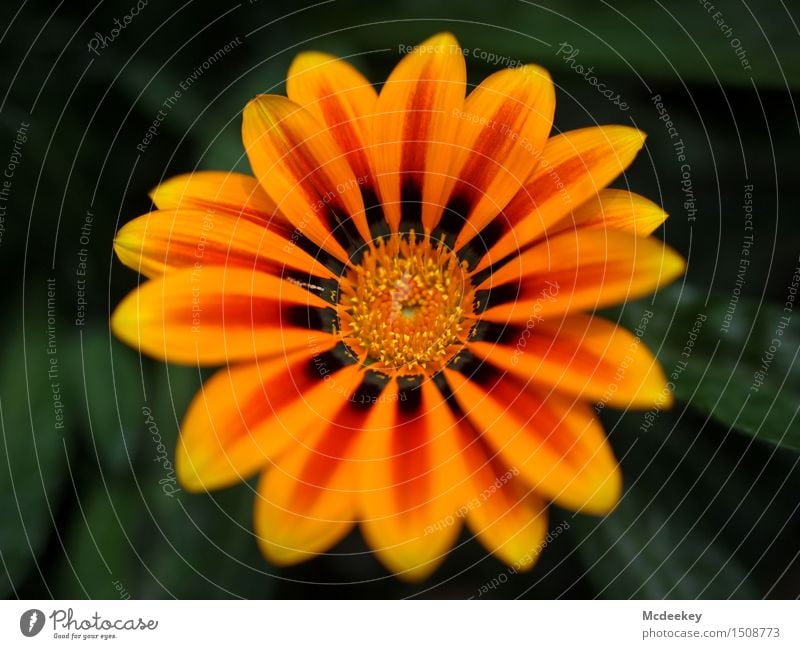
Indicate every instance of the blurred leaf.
{"type": "Point", "coordinates": [151, 90]}
{"type": "Point", "coordinates": [643, 551]}
{"type": "Point", "coordinates": [100, 547]}
{"type": "Point", "coordinates": [32, 455]}
{"type": "Point", "coordinates": [712, 505]}
{"type": "Point", "coordinates": [225, 150]}
{"type": "Point", "coordinates": [681, 42]}
{"type": "Point", "coordinates": [716, 369]}
{"type": "Point", "coordinates": [204, 547]}
{"type": "Point", "coordinates": [199, 545]}
{"type": "Point", "coordinates": [170, 389]}
{"type": "Point", "coordinates": [106, 384]}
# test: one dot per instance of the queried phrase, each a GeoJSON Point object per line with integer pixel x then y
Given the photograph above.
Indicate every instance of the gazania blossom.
{"type": "Point", "coordinates": [402, 301]}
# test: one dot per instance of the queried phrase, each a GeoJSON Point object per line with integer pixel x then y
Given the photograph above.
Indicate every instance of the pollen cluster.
{"type": "Point", "coordinates": [407, 307]}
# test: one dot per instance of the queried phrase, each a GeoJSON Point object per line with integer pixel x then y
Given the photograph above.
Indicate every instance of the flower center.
{"type": "Point", "coordinates": [407, 308]}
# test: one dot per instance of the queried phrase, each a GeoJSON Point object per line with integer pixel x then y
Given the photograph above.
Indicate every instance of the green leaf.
{"type": "Point", "coordinates": [101, 546]}
{"type": "Point", "coordinates": [741, 369]}
{"type": "Point", "coordinates": [204, 546]}
{"type": "Point", "coordinates": [106, 385]}
{"type": "Point", "coordinates": [198, 545]}
{"type": "Point", "coordinates": [643, 551]}
{"type": "Point", "coordinates": [701, 510]}
{"type": "Point", "coordinates": [33, 452]}
{"type": "Point", "coordinates": [681, 42]}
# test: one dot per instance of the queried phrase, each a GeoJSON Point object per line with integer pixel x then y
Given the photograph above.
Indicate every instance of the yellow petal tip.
{"type": "Point", "coordinates": [533, 70]}
{"type": "Point", "coordinates": [188, 469]}
{"type": "Point", "coordinates": [673, 265]}
{"type": "Point", "coordinates": [441, 37]}
{"type": "Point", "coordinates": [441, 43]}
{"type": "Point", "coordinates": [621, 137]}
{"type": "Point", "coordinates": [165, 190]}
{"type": "Point", "coordinates": [607, 495]}
{"type": "Point", "coordinates": [129, 237]}
{"type": "Point", "coordinates": [125, 322]}
{"type": "Point", "coordinates": [309, 59]}
{"type": "Point", "coordinates": [632, 136]}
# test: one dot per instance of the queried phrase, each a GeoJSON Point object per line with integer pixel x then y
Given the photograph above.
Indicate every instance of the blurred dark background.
{"type": "Point", "coordinates": [711, 505]}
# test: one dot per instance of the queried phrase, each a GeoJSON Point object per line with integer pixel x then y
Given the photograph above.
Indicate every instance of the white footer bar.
{"type": "Point", "coordinates": [401, 624]}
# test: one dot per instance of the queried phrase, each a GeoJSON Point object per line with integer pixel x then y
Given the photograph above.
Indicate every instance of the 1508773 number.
{"type": "Point", "coordinates": [756, 632]}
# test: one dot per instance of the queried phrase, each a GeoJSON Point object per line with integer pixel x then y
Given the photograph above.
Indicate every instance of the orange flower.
{"type": "Point", "coordinates": [400, 299]}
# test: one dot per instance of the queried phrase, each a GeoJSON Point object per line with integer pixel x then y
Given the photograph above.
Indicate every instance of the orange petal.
{"type": "Point", "coordinates": [340, 97]}
{"type": "Point", "coordinates": [414, 128]}
{"type": "Point", "coordinates": [588, 357]}
{"type": "Point", "coordinates": [308, 500]}
{"type": "Point", "coordinates": [219, 191]}
{"type": "Point", "coordinates": [183, 238]}
{"type": "Point", "coordinates": [512, 528]}
{"type": "Point", "coordinates": [616, 209]}
{"type": "Point", "coordinates": [575, 166]}
{"type": "Point", "coordinates": [303, 170]}
{"type": "Point", "coordinates": [411, 474]}
{"type": "Point", "coordinates": [554, 442]}
{"type": "Point", "coordinates": [578, 270]}
{"type": "Point", "coordinates": [214, 315]}
{"type": "Point", "coordinates": [503, 129]}
{"type": "Point", "coordinates": [247, 415]}
{"type": "Point", "coordinates": [509, 520]}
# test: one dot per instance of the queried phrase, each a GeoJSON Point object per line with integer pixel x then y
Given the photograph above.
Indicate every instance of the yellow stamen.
{"type": "Point", "coordinates": [407, 308]}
